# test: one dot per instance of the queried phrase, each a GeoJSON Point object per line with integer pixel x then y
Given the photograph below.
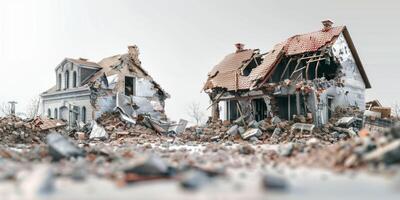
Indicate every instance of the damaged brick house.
{"type": "Point", "coordinates": [306, 75]}
{"type": "Point", "coordinates": [84, 89]}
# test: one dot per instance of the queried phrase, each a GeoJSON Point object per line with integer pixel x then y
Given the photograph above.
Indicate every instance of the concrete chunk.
{"type": "Point", "coordinates": [251, 132]}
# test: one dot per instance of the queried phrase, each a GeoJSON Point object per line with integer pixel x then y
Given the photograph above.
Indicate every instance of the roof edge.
{"type": "Point", "coordinates": [357, 59]}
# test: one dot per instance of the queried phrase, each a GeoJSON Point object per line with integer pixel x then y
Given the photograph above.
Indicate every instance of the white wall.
{"type": "Point", "coordinates": [76, 101]}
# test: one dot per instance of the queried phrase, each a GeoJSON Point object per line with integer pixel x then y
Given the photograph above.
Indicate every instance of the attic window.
{"type": "Point", "coordinates": [66, 80]}
{"type": "Point", "coordinates": [59, 82]}
{"type": "Point", "coordinates": [74, 79]}
{"type": "Point", "coordinates": [130, 86]}
{"type": "Point", "coordinates": [251, 65]}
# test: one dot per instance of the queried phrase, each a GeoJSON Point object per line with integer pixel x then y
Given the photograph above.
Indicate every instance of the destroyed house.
{"type": "Point", "coordinates": [306, 75]}
{"type": "Point", "coordinates": [84, 89]}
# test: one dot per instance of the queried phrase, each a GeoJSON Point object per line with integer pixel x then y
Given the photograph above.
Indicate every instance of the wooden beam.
{"type": "Point", "coordinates": [287, 65]}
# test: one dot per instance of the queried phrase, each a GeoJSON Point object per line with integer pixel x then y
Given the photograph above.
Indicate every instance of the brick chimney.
{"type": "Point", "coordinates": [239, 47]}
{"type": "Point", "coordinates": [327, 25]}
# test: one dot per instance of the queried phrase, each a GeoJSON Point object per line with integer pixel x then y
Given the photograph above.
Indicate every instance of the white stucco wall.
{"type": "Point", "coordinates": [353, 92]}
{"type": "Point", "coordinates": [80, 101]}
{"type": "Point", "coordinates": [353, 82]}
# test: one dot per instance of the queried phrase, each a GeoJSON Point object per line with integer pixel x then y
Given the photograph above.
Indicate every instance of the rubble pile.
{"type": "Point", "coordinates": [273, 131]}
{"type": "Point", "coordinates": [118, 128]}
{"type": "Point", "coordinates": [14, 130]}
{"type": "Point", "coordinates": [374, 152]}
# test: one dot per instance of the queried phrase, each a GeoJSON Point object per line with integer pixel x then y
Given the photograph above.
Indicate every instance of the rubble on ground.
{"type": "Point", "coordinates": [126, 153]}
{"type": "Point", "coordinates": [14, 130]}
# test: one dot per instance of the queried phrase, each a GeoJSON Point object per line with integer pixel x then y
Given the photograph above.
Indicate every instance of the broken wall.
{"type": "Point", "coordinates": [353, 92]}
{"type": "Point", "coordinates": [105, 89]}
{"type": "Point", "coordinates": [61, 103]}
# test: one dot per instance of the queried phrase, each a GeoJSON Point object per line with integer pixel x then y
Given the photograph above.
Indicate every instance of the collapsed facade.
{"type": "Point", "coordinates": [306, 75]}
{"type": "Point", "coordinates": [85, 89]}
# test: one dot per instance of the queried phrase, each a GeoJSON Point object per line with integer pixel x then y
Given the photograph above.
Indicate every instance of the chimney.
{"type": "Point", "coordinates": [327, 25]}
{"type": "Point", "coordinates": [239, 47]}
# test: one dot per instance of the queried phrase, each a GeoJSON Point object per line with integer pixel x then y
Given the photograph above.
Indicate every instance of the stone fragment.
{"type": "Point", "coordinates": [388, 154]}
{"type": "Point", "coordinates": [60, 147]}
{"type": "Point", "coordinates": [233, 130]}
{"type": "Point", "coordinates": [275, 120]}
{"type": "Point", "coordinates": [246, 149]}
{"type": "Point", "coordinates": [273, 182]}
{"type": "Point", "coordinates": [250, 133]}
{"type": "Point", "coordinates": [150, 166]}
{"type": "Point", "coordinates": [194, 179]}
{"type": "Point", "coordinates": [286, 149]}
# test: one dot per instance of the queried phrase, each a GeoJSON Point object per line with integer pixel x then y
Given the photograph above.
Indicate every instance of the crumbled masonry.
{"type": "Point", "coordinates": [273, 124]}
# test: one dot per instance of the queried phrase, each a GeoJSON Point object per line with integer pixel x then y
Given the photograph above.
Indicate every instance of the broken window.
{"type": "Point", "coordinates": [252, 64]}
{"type": "Point", "coordinates": [84, 114]}
{"type": "Point", "coordinates": [259, 109]}
{"type": "Point", "coordinates": [66, 79]}
{"type": "Point", "coordinates": [49, 113]}
{"type": "Point", "coordinates": [306, 66]}
{"type": "Point", "coordinates": [74, 114]}
{"type": "Point", "coordinates": [59, 82]}
{"type": "Point", "coordinates": [287, 106]}
{"type": "Point", "coordinates": [74, 79]}
{"type": "Point", "coordinates": [130, 86]}
{"type": "Point", "coordinates": [232, 110]}
{"type": "Point", "coordinates": [55, 113]}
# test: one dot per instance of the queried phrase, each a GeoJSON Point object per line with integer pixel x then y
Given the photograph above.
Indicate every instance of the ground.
{"type": "Point", "coordinates": [148, 165]}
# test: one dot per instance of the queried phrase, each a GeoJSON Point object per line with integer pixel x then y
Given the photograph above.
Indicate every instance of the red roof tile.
{"type": "Point", "coordinates": [224, 74]}
{"type": "Point", "coordinates": [311, 41]}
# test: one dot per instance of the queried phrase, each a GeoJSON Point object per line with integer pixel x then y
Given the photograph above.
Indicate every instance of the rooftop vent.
{"type": "Point", "coordinates": [239, 47]}
{"type": "Point", "coordinates": [83, 59]}
{"type": "Point", "coordinates": [327, 25]}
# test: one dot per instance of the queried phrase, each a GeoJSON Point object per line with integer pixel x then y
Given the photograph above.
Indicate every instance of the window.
{"type": "Point", "coordinates": [49, 113]}
{"type": "Point", "coordinates": [66, 79]}
{"type": "Point", "coordinates": [59, 82]}
{"type": "Point", "coordinates": [130, 86]}
{"type": "Point", "coordinates": [55, 113]}
{"type": "Point", "coordinates": [74, 79]}
{"type": "Point", "coordinates": [83, 114]}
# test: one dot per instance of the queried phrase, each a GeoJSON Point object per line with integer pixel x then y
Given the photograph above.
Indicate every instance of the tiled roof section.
{"type": "Point", "coordinates": [224, 74]}
{"type": "Point", "coordinates": [232, 62]}
{"type": "Point", "coordinates": [83, 62]}
{"type": "Point", "coordinates": [269, 61]}
{"type": "Point", "coordinates": [311, 41]}
{"type": "Point", "coordinates": [45, 124]}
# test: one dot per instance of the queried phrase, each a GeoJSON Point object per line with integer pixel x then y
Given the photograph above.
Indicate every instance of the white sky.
{"type": "Point", "coordinates": [181, 40]}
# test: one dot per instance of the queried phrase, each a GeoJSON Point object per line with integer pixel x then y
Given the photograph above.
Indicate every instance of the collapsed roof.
{"type": "Point", "coordinates": [228, 74]}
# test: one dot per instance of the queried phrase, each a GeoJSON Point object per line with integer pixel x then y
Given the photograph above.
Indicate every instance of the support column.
{"type": "Point", "coordinates": [215, 111]}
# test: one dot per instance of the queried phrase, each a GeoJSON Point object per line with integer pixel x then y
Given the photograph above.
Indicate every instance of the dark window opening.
{"type": "Point", "coordinates": [74, 79]}
{"type": "Point", "coordinates": [330, 109]}
{"type": "Point", "coordinates": [59, 82]}
{"type": "Point", "coordinates": [287, 106]}
{"type": "Point", "coordinates": [253, 64]}
{"type": "Point", "coordinates": [84, 114]}
{"type": "Point", "coordinates": [130, 86]}
{"type": "Point", "coordinates": [74, 115]}
{"type": "Point", "coordinates": [326, 68]}
{"type": "Point", "coordinates": [232, 110]}
{"type": "Point", "coordinates": [259, 109]}
{"type": "Point", "coordinates": [66, 79]}
{"type": "Point", "coordinates": [49, 113]}
{"type": "Point", "coordinates": [55, 113]}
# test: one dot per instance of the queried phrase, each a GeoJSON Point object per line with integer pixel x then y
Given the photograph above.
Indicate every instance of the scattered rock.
{"type": "Point", "coordinates": [60, 147]}
{"type": "Point", "coordinates": [286, 149]}
{"type": "Point", "coordinates": [246, 149]}
{"type": "Point", "coordinates": [273, 182]}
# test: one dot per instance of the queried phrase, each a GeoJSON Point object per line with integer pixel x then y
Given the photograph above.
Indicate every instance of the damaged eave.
{"type": "Point", "coordinates": [357, 59]}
